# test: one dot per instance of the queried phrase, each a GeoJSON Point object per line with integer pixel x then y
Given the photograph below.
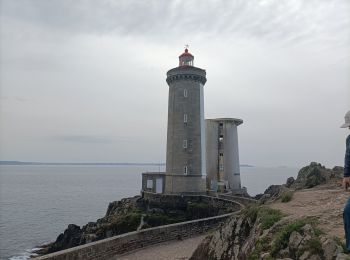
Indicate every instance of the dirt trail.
{"type": "Point", "coordinates": [325, 203]}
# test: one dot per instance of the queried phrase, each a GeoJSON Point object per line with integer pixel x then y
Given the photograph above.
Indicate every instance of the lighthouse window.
{"type": "Point", "coordinates": [184, 144]}
{"type": "Point", "coordinates": [185, 170]}
{"type": "Point", "coordinates": [221, 167]}
{"type": "Point", "coordinates": [185, 118]}
{"type": "Point", "coordinates": [185, 93]}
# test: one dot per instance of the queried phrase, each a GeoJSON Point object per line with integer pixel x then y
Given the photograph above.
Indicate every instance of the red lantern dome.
{"type": "Point", "coordinates": [186, 59]}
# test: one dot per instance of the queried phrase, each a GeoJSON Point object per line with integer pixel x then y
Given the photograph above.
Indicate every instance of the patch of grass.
{"type": "Point", "coordinates": [200, 210]}
{"type": "Point", "coordinates": [287, 196]}
{"type": "Point", "coordinates": [269, 216]}
{"type": "Point", "coordinates": [251, 213]}
{"type": "Point", "coordinates": [282, 237]}
{"type": "Point", "coordinates": [314, 246]}
{"type": "Point", "coordinates": [318, 231]}
{"type": "Point", "coordinates": [154, 220]}
{"type": "Point", "coordinates": [341, 243]}
{"type": "Point", "coordinates": [122, 224]}
{"type": "Point", "coordinates": [262, 245]}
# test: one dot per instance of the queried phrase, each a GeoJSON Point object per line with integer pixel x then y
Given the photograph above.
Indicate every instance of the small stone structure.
{"type": "Point", "coordinates": [160, 182]}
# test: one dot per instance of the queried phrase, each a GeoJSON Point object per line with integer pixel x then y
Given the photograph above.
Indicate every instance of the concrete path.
{"type": "Point", "coordinates": [171, 250]}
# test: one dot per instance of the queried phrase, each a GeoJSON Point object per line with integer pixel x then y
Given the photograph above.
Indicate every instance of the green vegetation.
{"type": "Point", "coordinates": [201, 210]}
{"type": "Point", "coordinates": [282, 237]}
{"type": "Point", "coordinates": [314, 246]}
{"type": "Point", "coordinates": [156, 219]}
{"type": "Point", "coordinates": [262, 245]}
{"type": "Point", "coordinates": [287, 196]}
{"type": "Point", "coordinates": [267, 216]}
{"type": "Point", "coordinates": [341, 243]}
{"type": "Point", "coordinates": [123, 224]}
{"type": "Point", "coordinates": [251, 213]}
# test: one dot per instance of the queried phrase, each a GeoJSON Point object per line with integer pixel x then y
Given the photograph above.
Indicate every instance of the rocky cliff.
{"type": "Point", "coordinates": [131, 214]}
{"type": "Point", "coordinates": [301, 219]}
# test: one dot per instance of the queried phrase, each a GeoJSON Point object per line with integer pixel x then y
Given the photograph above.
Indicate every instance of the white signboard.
{"type": "Point", "coordinates": [149, 184]}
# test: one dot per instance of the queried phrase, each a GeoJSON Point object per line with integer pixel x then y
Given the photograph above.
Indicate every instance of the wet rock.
{"type": "Point", "coordinates": [69, 238]}
{"type": "Point", "coordinates": [258, 196]}
{"type": "Point", "coordinates": [273, 190]}
{"type": "Point", "coordinates": [284, 253]}
{"type": "Point", "coordinates": [289, 182]}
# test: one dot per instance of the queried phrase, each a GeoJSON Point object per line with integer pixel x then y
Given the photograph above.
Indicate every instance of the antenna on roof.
{"type": "Point", "coordinates": [186, 46]}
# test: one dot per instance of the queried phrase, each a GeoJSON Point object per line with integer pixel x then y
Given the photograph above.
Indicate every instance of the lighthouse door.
{"type": "Point", "coordinates": [159, 185]}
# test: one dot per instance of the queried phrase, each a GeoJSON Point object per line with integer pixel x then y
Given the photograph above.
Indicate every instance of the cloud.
{"type": "Point", "coordinates": [99, 67]}
{"type": "Point", "coordinates": [287, 21]}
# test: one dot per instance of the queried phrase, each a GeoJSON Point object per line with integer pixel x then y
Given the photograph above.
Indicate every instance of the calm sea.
{"type": "Point", "coordinates": [38, 202]}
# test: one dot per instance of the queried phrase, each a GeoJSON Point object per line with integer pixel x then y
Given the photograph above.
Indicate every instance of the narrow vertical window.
{"type": "Point", "coordinates": [185, 170]}
{"type": "Point", "coordinates": [184, 144]}
{"type": "Point", "coordinates": [185, 93]}
{"type": "Point", "coordinates": [185, 118]}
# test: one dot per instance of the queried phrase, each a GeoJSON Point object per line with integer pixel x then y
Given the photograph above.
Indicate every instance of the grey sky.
{"type": "Point", "coordinates": [84, 81]}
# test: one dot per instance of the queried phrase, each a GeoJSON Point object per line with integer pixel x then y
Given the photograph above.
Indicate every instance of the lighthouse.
{"type": "Point", "coordinates": [195, 162]}
{"type": "Point", "coordinates": [185, 151]}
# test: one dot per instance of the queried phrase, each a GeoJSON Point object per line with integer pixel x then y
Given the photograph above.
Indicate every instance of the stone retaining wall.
{"type": "Point", "coordinates": [109, 247]}
{"type": "Point", "coordinates": [178, 201]}
{"type": "Point", "coordinates": [239, 199]}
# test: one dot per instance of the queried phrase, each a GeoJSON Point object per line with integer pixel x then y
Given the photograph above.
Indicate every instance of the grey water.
{"type": "Point", "coordinates": [38, 202]}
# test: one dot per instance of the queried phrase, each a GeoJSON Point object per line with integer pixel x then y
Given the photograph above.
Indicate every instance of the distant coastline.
{"type": "Point", "coordinates": [89, 164]}
{"type": "Point", "coordinates": [77, 164]}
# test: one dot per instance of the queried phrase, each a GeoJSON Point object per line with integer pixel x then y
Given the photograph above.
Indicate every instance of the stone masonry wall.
{"type": "Point", "coordinates": [107, 248]}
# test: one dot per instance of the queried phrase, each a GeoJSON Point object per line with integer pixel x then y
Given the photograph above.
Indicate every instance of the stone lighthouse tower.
{"type": "Point", "coordinates": [186, 152]}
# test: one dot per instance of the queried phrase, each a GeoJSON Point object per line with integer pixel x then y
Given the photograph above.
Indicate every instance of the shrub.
{"type": "Point", "coordinates": [314, 245]}
{"type": "Point", "coordinates": [251, 213]}
{"type": "Point", "coordinates": [282, 237]}
{"type": "Point", "coordinates": [287, 196]}
{"type": "Point", "coordinates": [341, 243]}
{"type": "Point", "coordinates": [123, 224]}
{"type": "Point", "coordinates": [154, 220]}
{"type": "Point", "coordinates": [262, 245]}
{"type": "Point", "coordinates": [200, 210]}
{"type": "Point", "coordinates": [269, 216]}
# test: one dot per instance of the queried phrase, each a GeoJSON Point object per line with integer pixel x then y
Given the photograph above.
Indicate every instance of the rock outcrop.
{"type": "Point", "coordinates": [131, 214]}
{"type": "Point", "coordinates": [316, 174]}
{"type": "Point", "coordinates": [309, 176]}
{"type": "Point", "coordinates": [266, 233]}
{"type": "Point", "coordinates": [250, 237]}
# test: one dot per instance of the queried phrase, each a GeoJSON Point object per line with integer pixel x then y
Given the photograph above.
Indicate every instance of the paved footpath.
{"type": "Point", "coordinates": [171, 250]}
